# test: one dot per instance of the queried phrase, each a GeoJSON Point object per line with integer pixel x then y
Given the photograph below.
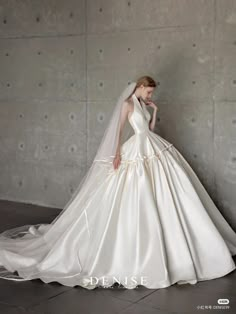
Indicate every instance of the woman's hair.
{"type": "Point", "coordinates": [146, 81]}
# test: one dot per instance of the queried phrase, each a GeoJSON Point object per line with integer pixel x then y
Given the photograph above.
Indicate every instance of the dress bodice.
{"type": "Point", "coordinates": [140, 117]}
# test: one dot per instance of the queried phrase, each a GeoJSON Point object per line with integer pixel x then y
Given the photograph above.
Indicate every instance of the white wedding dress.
{"type": "Point", "coordinates": [150, 222]}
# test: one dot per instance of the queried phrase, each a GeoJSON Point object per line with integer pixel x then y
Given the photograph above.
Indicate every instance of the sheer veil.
{"type": "Point", "coordinates": [43, 235]}
{"type": "Point", "coordinates": [108, 145]}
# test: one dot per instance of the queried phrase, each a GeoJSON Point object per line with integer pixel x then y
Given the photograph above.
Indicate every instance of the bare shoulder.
{"type": "Point", "coordinates": [129, 103]}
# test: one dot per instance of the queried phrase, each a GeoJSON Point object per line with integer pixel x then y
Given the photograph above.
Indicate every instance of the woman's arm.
{"type": "Point", "coordinates": [124, 116]}
{"type": "Point", "coordinates": [153, 120]}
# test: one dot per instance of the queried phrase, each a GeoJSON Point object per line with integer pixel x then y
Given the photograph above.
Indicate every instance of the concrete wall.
{"type": "Point", "coordinates": [64, 63]}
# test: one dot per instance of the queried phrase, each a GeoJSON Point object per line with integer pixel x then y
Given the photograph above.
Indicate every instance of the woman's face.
{"type": "Point", "coordinates": [146, 92]}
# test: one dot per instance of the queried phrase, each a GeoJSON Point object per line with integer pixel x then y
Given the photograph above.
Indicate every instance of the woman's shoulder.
{"type": "Point", "coordinates": [129, 100]}
{"type": "Point", "coordinates": [129, 103]}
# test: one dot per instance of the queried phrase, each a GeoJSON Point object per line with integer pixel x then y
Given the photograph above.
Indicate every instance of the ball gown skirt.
{"type": "Point", "coordinates": [150, 222]}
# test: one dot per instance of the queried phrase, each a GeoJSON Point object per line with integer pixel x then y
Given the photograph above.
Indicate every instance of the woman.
{"type": "Point", "coordinates": [140, 216]}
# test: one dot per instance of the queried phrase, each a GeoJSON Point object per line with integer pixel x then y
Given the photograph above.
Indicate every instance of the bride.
{"type": "Point", "coordinates": [140, 215]}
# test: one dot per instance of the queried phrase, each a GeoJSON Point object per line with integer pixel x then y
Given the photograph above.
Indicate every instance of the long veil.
{"type": "Point", "coordinates": [39, 238]}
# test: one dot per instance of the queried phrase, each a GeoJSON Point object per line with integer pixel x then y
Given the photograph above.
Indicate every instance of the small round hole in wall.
{"type": "Point", "coordinates": [100, 9]}
{"type": "Point", "coordinates": [72, 116]}
{"type": "Point", "coordinates": [21, 146]}
{"type": "Point", "coordinates": [72, 148]}
{"type": "Point", "coordinates": [100, 117]}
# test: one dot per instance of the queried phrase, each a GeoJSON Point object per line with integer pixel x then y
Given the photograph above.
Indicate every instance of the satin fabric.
{"type": "Point", "coordinates": [150, 222]}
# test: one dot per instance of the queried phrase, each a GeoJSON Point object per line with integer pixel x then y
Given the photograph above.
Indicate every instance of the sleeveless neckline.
{"type": "Point", "coordinates": [140, 105]}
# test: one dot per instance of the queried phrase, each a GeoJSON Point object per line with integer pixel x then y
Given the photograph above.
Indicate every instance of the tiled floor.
{"type": "Point", "coordinates": [37, 297]}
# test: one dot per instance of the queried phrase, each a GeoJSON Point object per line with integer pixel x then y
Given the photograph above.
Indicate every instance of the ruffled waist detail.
{"type": "Point", "coordinates": [140, 148]}
{"type": "Point", "coordinates": [142, 158]}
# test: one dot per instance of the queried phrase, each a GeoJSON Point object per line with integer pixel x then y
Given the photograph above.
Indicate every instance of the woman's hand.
{"type": "Point", "coordinates": [116, 161]}
{"type": "Point", "coordinates": [150, 103]}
